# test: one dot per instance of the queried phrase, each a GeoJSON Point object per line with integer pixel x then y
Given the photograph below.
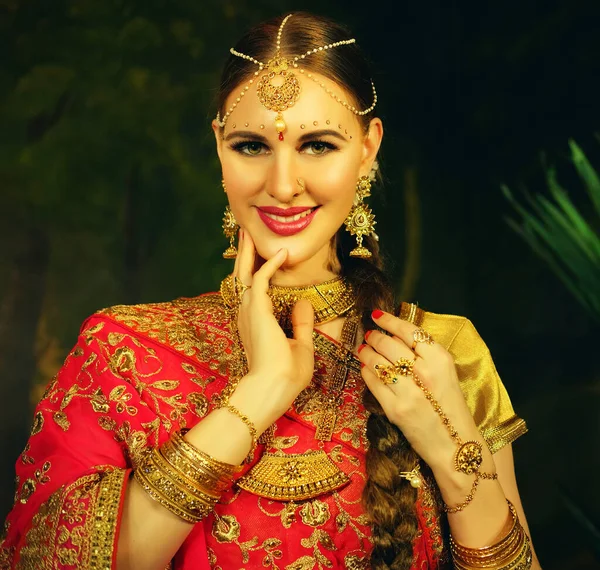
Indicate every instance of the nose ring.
{"type": "Point", "coordinates": [300, 183]}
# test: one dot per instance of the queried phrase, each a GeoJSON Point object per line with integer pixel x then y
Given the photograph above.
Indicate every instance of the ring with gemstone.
{"type": "Point", "coordinates": [421, 335]}
{"type": "Point", "coordinates": [387, 373]}
{"type": "Point", "coordinates": [404, 366]}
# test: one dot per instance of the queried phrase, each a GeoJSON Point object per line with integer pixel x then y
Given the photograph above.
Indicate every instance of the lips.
{"type": "Point", "coordinates": [286, 221]}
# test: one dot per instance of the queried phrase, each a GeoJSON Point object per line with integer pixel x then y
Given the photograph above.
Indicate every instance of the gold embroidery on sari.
{"type": "Point", "coordinates": [315, 513]}
{"type": "Point", "coordinates": [227, 529]}
{"type": "Point", "coordinates": [104, 519]}
{"type": "Point", "coordinates": [287, 513]}
{"type": "Point", "coordinates": [90, 507]}
{"type": "Point", "coordinates": [30, 485]}
{"type": "Point", "coordinates": [431, 503]}
{"type": "Point", "coordinates": [354, 562]}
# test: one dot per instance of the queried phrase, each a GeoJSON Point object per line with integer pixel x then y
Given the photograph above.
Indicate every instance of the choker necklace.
{"type": "Point", "coordinates": [330, 300]}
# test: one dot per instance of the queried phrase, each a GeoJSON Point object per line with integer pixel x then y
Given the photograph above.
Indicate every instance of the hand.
{"type": "Point", "coordinates": [279, 367]}
{"type": "Point", "coordinates": [405, 404]}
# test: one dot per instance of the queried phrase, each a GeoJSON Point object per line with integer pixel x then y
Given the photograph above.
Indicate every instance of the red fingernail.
{"type": "Point", "coordinates": [376, 314]}
{"type": "Point", "coordinates": [361, 347]}
{"type": "Point", "coordinates": [362, 364]}
{"type": "Point", "coordinates": [367, 334]}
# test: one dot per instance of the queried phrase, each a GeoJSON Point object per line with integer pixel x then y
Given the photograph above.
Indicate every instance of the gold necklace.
{"type": "Point", "coordinates": [330, 300]}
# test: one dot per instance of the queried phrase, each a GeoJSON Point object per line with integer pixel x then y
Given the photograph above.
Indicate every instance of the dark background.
{"type": "Point", "coordinates": [110, 193]}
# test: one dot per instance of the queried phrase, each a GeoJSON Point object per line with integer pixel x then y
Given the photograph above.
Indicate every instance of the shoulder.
{"type": "Point", "coordinates": [145, 318]}
{"type": "Point", "coordinates": [451, 331]}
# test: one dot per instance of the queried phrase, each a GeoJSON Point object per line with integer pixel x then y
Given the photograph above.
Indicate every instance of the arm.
{"type": "Point", "coordinates": [150, 534]}
{"type": "Point", "coordinates": [428, 405]}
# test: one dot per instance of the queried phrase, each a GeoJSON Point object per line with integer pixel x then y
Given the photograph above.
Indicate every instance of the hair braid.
{"type": "Point", "coordinates": [388, 500]}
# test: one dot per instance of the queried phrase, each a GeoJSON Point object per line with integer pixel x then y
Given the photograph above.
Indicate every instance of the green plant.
{"type": "Point", "coordinates": [564, 237]}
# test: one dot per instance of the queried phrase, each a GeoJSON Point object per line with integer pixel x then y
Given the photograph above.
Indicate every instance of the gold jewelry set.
{"type": "Point", "coordinates": [183, 479]}
{"type": "Point", "coordinates": [360, 222]}
{"type": "Point", "coordinates": [188, 482]}
{"type": "Point", "coordinates": [278, 89]}
{"type": "Point", "coordinates": [511, 552]}
{"type": "Point", "coordinates": [469, 456]}
{"type": "Point", "coordinates": [330, 300]}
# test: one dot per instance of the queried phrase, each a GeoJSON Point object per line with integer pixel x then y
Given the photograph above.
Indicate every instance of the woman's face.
{"type": "Point", "coordinates": [295, 193]}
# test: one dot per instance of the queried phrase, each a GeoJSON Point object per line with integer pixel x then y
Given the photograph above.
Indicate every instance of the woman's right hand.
{"type": "Point", "coordinates": [279, 367]}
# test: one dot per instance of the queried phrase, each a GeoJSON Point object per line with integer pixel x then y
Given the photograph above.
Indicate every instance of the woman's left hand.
{"type": "Point", "coordinates": [404, 403]}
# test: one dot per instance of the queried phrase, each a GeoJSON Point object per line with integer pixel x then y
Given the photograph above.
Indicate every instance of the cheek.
{"type": "Point", "coordinates": [337, 183]}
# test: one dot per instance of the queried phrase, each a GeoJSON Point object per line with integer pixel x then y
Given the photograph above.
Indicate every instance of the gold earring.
{"type": "Point", "coordinates": [361, 221]}
{"type": "Point", "coordinates": [230, 228]}
{"type": "Point", "coordinates": [224, 187]}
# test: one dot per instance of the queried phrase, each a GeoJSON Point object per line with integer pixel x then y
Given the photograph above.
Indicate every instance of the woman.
{"type": "Point", "coordinates": [230, 430]}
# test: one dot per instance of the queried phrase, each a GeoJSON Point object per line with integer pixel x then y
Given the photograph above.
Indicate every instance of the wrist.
{"type": "Point", "coordinates": [457, 486]}
{"type": "Point", "coordinates": [259, 400]}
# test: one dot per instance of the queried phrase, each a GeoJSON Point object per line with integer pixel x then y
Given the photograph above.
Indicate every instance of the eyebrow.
{"type": "Point", "coordinates": [306, 136]}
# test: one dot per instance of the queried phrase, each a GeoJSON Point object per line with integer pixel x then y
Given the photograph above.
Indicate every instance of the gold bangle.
{"type": "Point", "coordinates": [204, 470]}
{"type": "Point", "coordinates": [199, 457]}
{"type": "Point", "coordinates": [251, 427]}
{"type": "Point", "coordinates": [511, 552]}
{"type": "Point", "coordinates": [173, 492]}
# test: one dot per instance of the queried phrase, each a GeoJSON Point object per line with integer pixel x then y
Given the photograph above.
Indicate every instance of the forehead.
{"type": "Point", "coordinates": [316, 102]}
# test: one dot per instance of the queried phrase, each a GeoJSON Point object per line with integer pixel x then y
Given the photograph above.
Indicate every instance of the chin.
{"type": "Point", "coordinates": [299, 251]}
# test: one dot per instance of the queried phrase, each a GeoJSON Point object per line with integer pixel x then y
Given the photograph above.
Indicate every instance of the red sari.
{"type": "Point", "coordinates": [138, 373]}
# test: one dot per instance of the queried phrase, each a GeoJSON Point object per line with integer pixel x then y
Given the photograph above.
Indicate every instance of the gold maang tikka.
{"type": "Point", "coordinates": [278, 89]}
{"type": "Point", "coordinates": [230, 228]}
{"type": "Point", "coordinates": [361, 221]}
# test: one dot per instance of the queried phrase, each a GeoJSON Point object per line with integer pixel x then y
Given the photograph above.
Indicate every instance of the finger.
{"type": "Point", "coordinates": [261, 279]}
{"type": "Point", "coordinates": [303, 322]}
{"type": "Point", "coordinates": [389, 347]}
{"type": "Point", "coordinates": [237, 257]}
{"type": "Point", "coordinates": [404, 331]}
{"type": "Point", "coordinates": [246, 256]}
{"type": "Point", "coordinates": [397, 379]}
{"type": "Point", "coordinates": [383, 392]}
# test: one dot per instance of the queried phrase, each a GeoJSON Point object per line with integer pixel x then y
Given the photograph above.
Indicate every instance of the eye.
{"type": "Point", "coordinates": [318, 147]}
{"type": "Point", "coordinates": [250, 148]}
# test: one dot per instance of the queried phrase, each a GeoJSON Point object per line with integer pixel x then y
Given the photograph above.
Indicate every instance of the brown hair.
{"type": "Point", "coordinates": [388, 500]}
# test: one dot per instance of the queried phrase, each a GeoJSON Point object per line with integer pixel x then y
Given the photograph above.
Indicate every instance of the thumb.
{"type": "Point", "coordinates": [303, 321]}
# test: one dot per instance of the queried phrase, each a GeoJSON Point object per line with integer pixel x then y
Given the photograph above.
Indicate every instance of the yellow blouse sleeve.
{"type": "Point", "coordinates": [483, 389]}
{"type": "Point", "coordinates": [481, 385]}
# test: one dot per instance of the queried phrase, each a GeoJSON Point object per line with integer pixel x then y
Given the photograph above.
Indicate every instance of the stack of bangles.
{"type": "Point", "coordinates": [185, 480]}
{"type": "Point", "coordinates": [511, 552]}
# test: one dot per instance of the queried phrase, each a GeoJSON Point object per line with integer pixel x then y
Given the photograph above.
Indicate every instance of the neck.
{"type": "Point", "coordinates": [313, 271]}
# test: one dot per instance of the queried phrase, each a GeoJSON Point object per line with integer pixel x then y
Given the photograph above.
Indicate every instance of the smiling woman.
{"type": "Point", "coordinates": [250, 428]}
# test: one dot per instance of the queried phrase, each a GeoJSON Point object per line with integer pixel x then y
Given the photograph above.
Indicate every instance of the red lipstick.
{"type": "Point", "coordinates": [286, 228]}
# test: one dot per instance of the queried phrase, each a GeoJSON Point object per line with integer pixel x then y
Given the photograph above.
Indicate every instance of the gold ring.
{"type": "Point", "coordinates": [404, 367]}
{"type": "Point", "coordinates": [421, 335]}
{"type": "Point", "coordinates": [387, 373]}
{"type": "Point", "coordinates": [240, 288]}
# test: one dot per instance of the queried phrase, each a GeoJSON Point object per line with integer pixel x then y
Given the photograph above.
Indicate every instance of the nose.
{"type": "Point", "coordinates": [284, 183]}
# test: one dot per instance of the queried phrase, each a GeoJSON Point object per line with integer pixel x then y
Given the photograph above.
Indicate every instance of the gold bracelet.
{"type": "Point", "coordinates": [469, 456]}
{"type": "Point", "coordinates": [172, 491]}
{"type": "Point", "coordinates": [511, 552]}
{"type": "Point", "coordinates": [251, 427]}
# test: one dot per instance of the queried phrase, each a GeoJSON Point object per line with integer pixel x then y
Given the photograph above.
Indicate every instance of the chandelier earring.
{"type": "Point", "coordinates": [361, 220]}
{"type": "Point", "coordinates": [230, 229]}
